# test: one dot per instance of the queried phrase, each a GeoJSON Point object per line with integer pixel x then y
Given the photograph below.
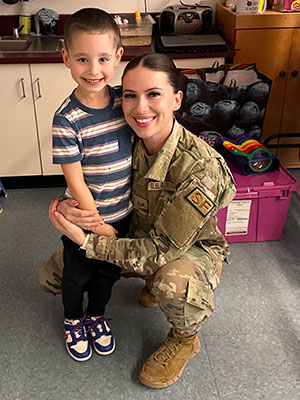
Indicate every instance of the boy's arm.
{"type": "Point", "coordinates": [77, 186]}
{"type": "Point", "coordinates": [80, 192]}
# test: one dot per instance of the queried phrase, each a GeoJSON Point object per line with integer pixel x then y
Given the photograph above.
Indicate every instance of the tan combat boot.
{"type": "Point", "coordinates": [166, 364]}
{"type": "Point", "coordinates": [51, 272]}
{"type": "Point", "coordinates": [146, 298]}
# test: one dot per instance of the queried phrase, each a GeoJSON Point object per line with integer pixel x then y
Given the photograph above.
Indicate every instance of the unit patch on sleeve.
{"type": "Point", "coordinates": [200, 201]}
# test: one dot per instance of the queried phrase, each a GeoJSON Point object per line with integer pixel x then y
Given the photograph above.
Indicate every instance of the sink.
{"type": "Point", "coordinates": [15, 45]}
{"type": "Point", "coordinates": [48, 44]}
{"type": "Point", "coordinates": [32, 44]}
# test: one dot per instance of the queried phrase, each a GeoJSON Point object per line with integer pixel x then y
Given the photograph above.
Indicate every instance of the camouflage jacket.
{"type": "Point", "coordinates": [175, 200]}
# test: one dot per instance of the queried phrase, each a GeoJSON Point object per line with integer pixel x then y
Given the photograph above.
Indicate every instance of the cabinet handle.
{"type": "Point", "coordinates": [282, 74]}
{"type": "Point", "coordinates": [23, 88]}
{"type": "Point", "coordinates": [39, 88]}
{"type": "Point", "coordinates": [294, 74]}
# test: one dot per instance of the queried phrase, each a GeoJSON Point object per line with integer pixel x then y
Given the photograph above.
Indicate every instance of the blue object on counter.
{"type": "Point", "coordinates": [47, 20]}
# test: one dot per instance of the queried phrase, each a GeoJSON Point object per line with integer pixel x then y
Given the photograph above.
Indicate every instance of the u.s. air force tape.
{"type": "Point", "coordinates": [200, 201]}
{"type": "Point", "coordinates": [168, 186]}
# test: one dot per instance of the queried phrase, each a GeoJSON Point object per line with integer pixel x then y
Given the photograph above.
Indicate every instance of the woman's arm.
{"type": "Point", "coordinates": [181, 223]}
{"type": "Point", "coordinates": [189, 217]}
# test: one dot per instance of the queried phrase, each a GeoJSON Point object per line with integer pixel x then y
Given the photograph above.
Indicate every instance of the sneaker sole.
{"type": "Point", "coordinates": [107, 353]}
{"type": "Point", "coordinates": [160, 385]}
{"type": "Point", "coordinates": [78, 359]}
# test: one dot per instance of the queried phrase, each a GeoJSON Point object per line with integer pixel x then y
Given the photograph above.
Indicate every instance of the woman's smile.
{"type": "Point", "coordinates": [144, 121]}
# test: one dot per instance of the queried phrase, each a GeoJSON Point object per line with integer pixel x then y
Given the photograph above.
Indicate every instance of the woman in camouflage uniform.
{"type": "Point", "coordinates": [179, 183]}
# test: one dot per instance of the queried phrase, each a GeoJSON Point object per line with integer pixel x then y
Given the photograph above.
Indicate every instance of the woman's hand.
{"type": "Point", "coordinates": [86, 219]}
{"type": "Point", "coordinates": [64, 226]}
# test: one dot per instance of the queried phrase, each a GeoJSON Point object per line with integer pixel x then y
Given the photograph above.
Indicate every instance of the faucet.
{"type": "Point", "coordinates": [16, 32]}
{"type": "Point", "coordinates": [37, 25]}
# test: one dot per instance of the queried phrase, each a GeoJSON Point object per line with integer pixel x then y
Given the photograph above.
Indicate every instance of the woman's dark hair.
{"type": "Point", "coordinates": [161, 63]}
{"type": "Point", "coordinates": [91, 20]}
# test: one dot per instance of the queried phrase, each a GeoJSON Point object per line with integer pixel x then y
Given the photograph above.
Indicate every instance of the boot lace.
{"type": "Point", "coordinates": [169, 348]}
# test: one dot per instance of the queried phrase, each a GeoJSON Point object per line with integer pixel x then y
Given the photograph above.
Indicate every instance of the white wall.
{"type": "Point", "coordinates": [111, 6]}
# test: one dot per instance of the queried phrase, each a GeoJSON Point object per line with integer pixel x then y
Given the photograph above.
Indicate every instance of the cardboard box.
{"type": "Point", "coordinates": [258, 210]}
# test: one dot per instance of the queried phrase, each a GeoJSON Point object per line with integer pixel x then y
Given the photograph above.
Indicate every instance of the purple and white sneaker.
{"type": "Point", "coordinates": [77, 343]}
{"type": "Point", "coordinates": [102, 337]}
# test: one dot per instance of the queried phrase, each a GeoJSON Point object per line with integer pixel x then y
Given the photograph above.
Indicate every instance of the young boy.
{"type": "Point", "coordinates": [93, 144]}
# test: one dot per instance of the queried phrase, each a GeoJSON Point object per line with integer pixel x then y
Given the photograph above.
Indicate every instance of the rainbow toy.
{"type": "Point", "coordinates": [250, 154]}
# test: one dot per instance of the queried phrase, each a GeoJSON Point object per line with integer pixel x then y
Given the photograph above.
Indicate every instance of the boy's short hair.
{"type": "Point", "coordinates": [91, 20]}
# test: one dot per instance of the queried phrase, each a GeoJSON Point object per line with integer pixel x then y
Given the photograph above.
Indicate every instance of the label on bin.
{"type": "Point", "coordinates": [237, 221]}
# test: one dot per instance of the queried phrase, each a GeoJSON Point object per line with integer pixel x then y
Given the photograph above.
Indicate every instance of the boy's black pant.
{"type": "Point", "coordinates": [82, 274]}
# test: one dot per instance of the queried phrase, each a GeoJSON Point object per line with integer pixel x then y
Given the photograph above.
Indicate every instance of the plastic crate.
{"type": "Point", "coordinates": [137, 35]}
{"type": "Point", "coordinates": [259, 208]}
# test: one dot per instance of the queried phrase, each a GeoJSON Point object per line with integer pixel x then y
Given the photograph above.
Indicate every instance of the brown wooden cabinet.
{"type": "Point", "coordinates": [272, 41]}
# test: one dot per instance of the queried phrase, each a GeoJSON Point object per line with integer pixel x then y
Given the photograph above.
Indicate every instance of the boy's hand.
{"type": "Point", "coordinates": [105, 230]}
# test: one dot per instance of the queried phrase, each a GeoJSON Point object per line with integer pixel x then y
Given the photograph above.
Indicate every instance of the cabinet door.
{"type": "Point", "coordinates": [291, 115]}
{"type": "Point", "coordinates": [52, 83]}
{"type": "Point", "coordinates": [19, 150]}
{"type": "Point", "coordinates": [270, 50]}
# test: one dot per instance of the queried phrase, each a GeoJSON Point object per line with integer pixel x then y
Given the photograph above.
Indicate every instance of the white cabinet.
{"type": "Point", "coordinates": [29, 96]}
{"type": "Point", "coordinates": [51, 84]}
{"type": "Point", "coordinates": [19, 148]}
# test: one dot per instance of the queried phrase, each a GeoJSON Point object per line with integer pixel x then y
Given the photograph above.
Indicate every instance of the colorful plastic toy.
{"type": "Point", "coordinates": [2, 190]}
{"type": "Point", "coordinates": [250, 154]}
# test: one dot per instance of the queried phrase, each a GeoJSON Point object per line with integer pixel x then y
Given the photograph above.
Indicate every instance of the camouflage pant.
{"type": "Point", "coordinates": [183, 288]}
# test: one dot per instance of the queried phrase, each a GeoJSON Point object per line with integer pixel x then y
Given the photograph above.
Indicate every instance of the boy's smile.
{"type": "Point", "coordinates": [92, 58]}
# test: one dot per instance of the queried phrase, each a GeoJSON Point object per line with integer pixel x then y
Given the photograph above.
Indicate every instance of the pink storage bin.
{"type": "Point", "coordinates": [258, 210]}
